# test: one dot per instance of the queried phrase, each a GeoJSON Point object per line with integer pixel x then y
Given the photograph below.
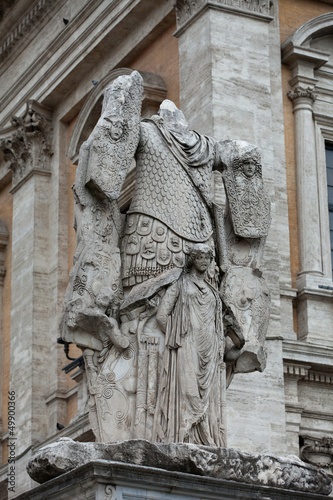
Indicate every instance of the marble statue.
{"type": "Point", "coordinates": [167, 301]}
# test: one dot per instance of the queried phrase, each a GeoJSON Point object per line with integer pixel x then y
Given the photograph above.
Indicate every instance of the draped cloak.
{"type": "Point", "coordinates": [190, 389]}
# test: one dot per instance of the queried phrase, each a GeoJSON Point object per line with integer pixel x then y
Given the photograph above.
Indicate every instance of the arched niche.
{"type": "Point", "coordinates": [154, 92]}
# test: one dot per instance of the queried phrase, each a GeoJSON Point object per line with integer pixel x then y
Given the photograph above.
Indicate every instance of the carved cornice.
{"type": "Point", "coordinates": [301, 92]}
{"type": "Point", "coordinates": [187, 9]}
{"type": "Point", "coordinates": [305, 372]}
{"type": "Point", "coordinates": [320, 377]}
{"type": "Point", "coordinates": [24, 26]}
{"type": "Point", "coordinates": [28, 149]}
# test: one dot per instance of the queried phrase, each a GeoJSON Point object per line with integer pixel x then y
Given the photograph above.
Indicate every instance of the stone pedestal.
{"type": "Point", "coordinates": [140, 469]}
{"type": "Point", "coordinates": [108, 480]}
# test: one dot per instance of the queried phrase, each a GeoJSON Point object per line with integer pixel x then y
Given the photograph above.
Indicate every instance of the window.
{"type": "Point", "coordinates": [329, 169]}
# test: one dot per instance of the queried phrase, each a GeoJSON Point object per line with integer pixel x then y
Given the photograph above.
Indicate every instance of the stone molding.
{"type": "Point", "coordinates": [29, 148]}
{"type": "Point", "coordinates": [301, 59]}
{"type": "Point", "coordinates": [304, 372]}
{"type": "Point", "coordinates": [24, 26]}
{"type": "Point", "coordinates": [303, 352]}
{"type": "Point", "coordinates": [295, 370]}
{"type": "Point", "coordinates": [320, 377]}
{"type": "Point", "coordinates": [310, 28]}
{"type": "Point", "coordinates": [154, 92]}
{"type": "Point", "coordinates": [70, 47]}
{"type": "Point", "coordinates": [188, 10]}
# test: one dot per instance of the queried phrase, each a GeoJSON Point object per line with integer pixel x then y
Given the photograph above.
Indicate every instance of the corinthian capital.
{"type": "Point", "coordinates": [301, 92]}
{"type": "Point", "coordinates": [29, 148]}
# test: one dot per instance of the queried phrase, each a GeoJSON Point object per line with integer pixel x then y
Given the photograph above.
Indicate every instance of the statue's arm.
{"type": "Point", "coordinates": [166, 306]}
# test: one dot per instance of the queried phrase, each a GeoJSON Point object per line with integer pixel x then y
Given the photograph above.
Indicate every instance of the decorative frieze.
{"type": "Point", "coordinates": [186, 9]}
{"type": "Point", "coordinates": [29, 148]}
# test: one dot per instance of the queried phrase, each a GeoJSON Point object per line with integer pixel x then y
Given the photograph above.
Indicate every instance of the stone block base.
{"type": "Point", "coordinates": [109, 480]}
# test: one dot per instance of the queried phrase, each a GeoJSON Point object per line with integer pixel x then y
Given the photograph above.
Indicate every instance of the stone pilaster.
{"type": "Point", "coordinates": [228, 90]}
{"type": "Point", "coordinates": [293, 373]}
{"type": "Point", "coordinates": [28, 150]}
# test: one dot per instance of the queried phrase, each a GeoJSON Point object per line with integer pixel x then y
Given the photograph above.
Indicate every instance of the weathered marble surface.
{"type": "Point", "coordinates": [223, 463]}
{"type": "Point", "coordinates": [163, 328]}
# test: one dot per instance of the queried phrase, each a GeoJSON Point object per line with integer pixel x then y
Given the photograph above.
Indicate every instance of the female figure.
{"type": "Point", "coordinates": [190, 390]}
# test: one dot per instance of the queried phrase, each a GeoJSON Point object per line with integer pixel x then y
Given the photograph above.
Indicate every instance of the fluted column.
{"type": "Point", "coordinates": [307, 185]}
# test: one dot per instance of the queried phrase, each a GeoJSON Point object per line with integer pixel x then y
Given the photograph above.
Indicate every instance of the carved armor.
{"type": "Point", "coordinates": [170, 206]}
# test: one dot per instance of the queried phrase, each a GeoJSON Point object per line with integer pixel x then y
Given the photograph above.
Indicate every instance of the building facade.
{"type": "Point", "coordinates": [254, 70]}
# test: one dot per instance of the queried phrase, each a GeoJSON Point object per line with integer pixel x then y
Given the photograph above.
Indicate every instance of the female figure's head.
{"type": "Point", "coordinates": [200, 257]}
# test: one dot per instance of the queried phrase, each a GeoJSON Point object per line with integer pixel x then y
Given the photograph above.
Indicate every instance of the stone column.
{"type": "Point", "coordinates": [3, 245]}
{"type": "Point", "coordinates": [307, 186]}
{"type": "Point", "coordinates": [28, 150]}
{"type": "Point", "coordinates": [314, 307]}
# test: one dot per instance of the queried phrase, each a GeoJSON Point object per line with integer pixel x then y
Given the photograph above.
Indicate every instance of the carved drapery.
{"type": "Point", "coordinates": [29, 148]}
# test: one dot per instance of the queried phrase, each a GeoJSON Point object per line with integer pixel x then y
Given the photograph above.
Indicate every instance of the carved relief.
{"type": "Point", "coordinates": [318, 452]}
{"type": "Point", "coordinates": [245, 227]}
{"type": "Point", "coordinates": [143, 301]}
{"type": "Point", "coordinates": [248, 202]}
{"type": "Point", "coordinates": [29, 148]}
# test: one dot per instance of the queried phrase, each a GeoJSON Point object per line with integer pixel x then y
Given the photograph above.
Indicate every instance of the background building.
{"type": "Point", "coordinates": [256, 70]}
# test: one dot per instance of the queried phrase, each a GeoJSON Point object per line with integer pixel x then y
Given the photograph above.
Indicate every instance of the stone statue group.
{"type": "Point", "coordinates": [167, 301]}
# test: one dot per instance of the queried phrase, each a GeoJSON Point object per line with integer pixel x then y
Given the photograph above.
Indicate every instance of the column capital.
{"type": "Point", "coordinates": [29, 148]}
{"type": "Point", "coordinates": [187, 10]}
{"type": "Point", "coordinates": [302, 98]}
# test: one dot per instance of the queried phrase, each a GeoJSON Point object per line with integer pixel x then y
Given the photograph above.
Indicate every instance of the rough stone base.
{"type": "Point", "coordinates": [108, 480]}
{"type": "Point", "coordinates": [225, 472]}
